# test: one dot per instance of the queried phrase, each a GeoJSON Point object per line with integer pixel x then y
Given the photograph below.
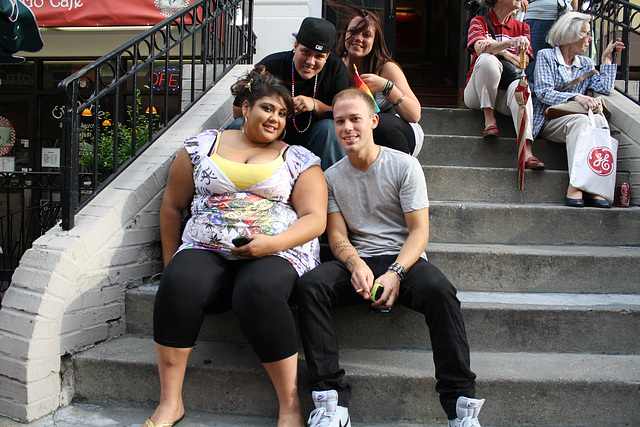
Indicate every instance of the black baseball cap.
{"type": "Point", "coordinates": [317, 34]}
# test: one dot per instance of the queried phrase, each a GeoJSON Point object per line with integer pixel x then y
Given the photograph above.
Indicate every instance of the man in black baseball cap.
{"type": "Point", "coordinates": [317, 34]}
{"type": "Point", "coordinates": [315, 75]}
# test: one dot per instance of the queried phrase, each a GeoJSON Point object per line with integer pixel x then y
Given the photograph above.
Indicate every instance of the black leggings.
{"type": "Point", "coordinates": [198, 282]}
{"type": "Point", "coordinates": [394, 132]}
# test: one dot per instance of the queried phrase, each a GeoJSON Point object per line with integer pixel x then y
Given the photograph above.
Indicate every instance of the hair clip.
{"type": "Point", "coordinates": [248, 86]}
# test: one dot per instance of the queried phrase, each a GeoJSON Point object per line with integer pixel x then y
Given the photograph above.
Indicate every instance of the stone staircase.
{"type": "Point", "coordinates": [550, 296]}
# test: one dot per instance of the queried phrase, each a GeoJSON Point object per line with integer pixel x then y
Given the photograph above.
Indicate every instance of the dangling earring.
{"type": "Point", "coordinates": [283, 135]}
{"type": "Point", "coordinates": [243, 123]}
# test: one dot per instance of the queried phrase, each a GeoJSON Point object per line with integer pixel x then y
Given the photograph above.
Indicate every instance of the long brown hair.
{"type": "Point", "coordinates": [379, 54]}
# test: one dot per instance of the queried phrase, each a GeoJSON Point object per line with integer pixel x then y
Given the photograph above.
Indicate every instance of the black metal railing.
{"type": "Point", "coordinates": [21, 223]}
{"type": "Point", "coordinates": [118, 105]}
{"type": "Point", "coordinates": [613, 19]}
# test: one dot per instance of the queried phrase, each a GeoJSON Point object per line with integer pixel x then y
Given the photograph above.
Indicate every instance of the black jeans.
{"type": "Point", "coordinates": [425, 290]}
{"type": "Point", "coordinates": [394, 132]}
{"type": "Point", "coordinates": [198, 282]}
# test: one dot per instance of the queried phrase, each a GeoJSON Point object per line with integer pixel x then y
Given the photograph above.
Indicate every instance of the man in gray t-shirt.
{"type": "Point", "coordinates": [378, 229]}
{"type": "Point", "coordinates": [369, 199]}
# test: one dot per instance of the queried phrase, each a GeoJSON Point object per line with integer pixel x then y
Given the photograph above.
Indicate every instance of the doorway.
{"type": "Point", "coordinates": [425, 39]}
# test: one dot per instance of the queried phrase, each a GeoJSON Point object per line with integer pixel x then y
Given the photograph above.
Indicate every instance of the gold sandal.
{"type": "Point", "coordinates": [150, 423]}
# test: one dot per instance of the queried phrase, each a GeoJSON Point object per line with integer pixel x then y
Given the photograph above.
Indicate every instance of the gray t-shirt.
{"type": "Point", "coordinates": [373, 203]}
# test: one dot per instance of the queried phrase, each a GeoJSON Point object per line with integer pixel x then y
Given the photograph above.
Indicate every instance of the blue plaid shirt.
{"type": "Point", "coordinates": [551, 76]}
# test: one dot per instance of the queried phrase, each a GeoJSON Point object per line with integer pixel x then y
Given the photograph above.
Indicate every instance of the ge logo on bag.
{"type": "Point", "coordinates": [600, 160]}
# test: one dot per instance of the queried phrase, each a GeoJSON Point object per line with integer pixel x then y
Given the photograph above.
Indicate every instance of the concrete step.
{"type": "Point", "coordinates": [483, 184]}
{"type": "Point", "coordinates": [495, 321]}
{"type": "Point", "coordinates": [438, 100]}
{"type": "Point", "coordinates": [548, 389]}
{"type": "Point", "coordinates": [461, 122]}
{"type": "Point", "coordinates": [538, 268]}
{"type": "Point", "coordinates": [475, 151]}
{"type": "Point", "coordinates": [533, 224]}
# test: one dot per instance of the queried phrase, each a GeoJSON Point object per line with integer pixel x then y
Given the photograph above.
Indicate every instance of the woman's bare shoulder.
{"type": "Point", "coordinates": [389, 69]}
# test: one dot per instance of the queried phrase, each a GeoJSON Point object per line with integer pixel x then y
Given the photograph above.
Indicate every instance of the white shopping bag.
{"type": "Point", "coordinates": [595, 161]}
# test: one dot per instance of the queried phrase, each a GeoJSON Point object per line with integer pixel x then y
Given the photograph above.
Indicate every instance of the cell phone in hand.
{"type": "Point", "coordinates": [376, 292]}
{"type": "Point", "coordinates": [240, 241]}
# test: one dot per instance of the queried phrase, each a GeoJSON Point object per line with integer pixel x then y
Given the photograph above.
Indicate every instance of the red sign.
{"type": "Point", "coordinates": [600, 160]}
{"type": "Point", "coordinates": [7, 136]}
{"type": "Point", "coordinates": [161, 78]}
{"type": "Point", "coordinates": [102, 13]}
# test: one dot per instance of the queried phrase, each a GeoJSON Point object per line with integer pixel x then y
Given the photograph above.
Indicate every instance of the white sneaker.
{"type": "Point", "coordinates": [467, 410]}
{"type": "Point", "coordinates": [327, 412]}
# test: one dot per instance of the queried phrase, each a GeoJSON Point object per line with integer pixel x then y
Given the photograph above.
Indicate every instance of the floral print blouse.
{"type": "Point", "coordinates": [220, 211]}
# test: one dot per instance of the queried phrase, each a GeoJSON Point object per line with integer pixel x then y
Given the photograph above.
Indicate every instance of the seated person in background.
{"type": "Point", "coordinates": [540, 16]}
{"type": "Point", "coordinates": [570, 37]}
{"type": "Point", "coordinates": [362, 44]}
{"type": "Point", "coordinates": [314, 76]}
{"type": "Point", "coordinates": [378, 229]}
{"type": "Point", "coordinates": [482, 89]}
{"type": "Point", "coordinates": [239, 184]}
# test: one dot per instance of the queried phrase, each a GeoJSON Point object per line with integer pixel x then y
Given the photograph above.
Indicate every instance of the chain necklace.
{"type": "Point", "coordinates": [293, 94]}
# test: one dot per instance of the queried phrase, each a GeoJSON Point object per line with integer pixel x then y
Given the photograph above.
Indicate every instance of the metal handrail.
{"type": "Point", "coordinates": [195, 47]}
{"type": "Point", "coordinates": [612, 19]}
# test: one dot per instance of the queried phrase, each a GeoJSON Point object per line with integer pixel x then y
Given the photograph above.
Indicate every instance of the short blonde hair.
{"type": "Point", "coordinates": [352, 93]}
{"type": "Point", "coordinates": [567, 28]}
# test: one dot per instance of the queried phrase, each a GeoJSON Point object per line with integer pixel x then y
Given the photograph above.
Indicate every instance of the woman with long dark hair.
{"type": "Point", "coordinates": [257, 208]}
{"type": "Point", "coordinates": [362, 44]}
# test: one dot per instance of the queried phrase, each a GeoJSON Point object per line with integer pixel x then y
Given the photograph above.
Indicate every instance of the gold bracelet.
{"type": "Point", "coordinates": [399, 101]}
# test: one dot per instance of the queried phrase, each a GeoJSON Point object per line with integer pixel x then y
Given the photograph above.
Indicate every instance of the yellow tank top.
{"type": "Point", "coordinates": [244, 175]}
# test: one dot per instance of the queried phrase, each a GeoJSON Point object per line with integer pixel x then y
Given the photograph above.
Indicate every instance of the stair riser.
{"type": "Point", "coordinates": [450, 183]}
{"type": "Point", "coordinates": [488, 328]}
{"type": "Point", "coordinates": [467, 151]}
{"type": "Point", "coordinates": [522, 225]}
{"type": "Point", "coordinates": [381, 398]}
{"type": "Point", "coordinates": [493, 270]}
{"type": "Point", "coordinates": [463, 122]}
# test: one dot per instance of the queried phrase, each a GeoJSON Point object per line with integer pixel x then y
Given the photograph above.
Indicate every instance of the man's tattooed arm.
{"type": "Point", "coordinates": [345, 253]}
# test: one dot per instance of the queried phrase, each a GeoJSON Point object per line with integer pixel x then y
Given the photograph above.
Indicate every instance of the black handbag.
{"type": "Point", "coordinates": [509, 71]}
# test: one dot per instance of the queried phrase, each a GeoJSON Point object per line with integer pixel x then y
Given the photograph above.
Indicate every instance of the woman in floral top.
{"type": "Point", "coordinates": [239, 183]}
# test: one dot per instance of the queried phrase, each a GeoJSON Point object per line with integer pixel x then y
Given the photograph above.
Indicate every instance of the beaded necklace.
{"type": "Point", "coordinates": [293, 94]}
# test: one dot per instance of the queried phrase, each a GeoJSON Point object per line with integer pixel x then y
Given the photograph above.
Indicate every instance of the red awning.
{"type": "Point", "coordinates": [103, 13]}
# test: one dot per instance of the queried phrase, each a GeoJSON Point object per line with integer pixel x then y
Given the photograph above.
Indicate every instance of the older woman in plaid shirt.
{"type": "Point", "coordinates": [570, 37]}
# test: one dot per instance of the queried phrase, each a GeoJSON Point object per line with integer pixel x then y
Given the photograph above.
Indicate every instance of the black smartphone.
{"type": "Point", "coordinates": [240, 241]}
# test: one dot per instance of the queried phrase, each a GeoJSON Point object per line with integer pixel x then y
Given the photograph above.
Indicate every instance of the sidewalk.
{"type": "Point", "coordinates": [88, 415]}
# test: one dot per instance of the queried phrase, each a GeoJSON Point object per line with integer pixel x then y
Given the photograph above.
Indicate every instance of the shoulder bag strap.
{"type": "Point", "coordinates": [578, 80]}
{"type": "Point", "coordinates": [490, 25]}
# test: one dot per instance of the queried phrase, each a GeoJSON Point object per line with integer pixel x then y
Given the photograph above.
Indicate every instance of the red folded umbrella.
{"type": "Point", "coordinates": [522, 95]}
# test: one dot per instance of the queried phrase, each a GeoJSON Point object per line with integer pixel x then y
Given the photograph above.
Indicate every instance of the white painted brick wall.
{"type": "Point", "coordinates": [68, 292]}
{"type": "Point", "coordinates": [625, 117]}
